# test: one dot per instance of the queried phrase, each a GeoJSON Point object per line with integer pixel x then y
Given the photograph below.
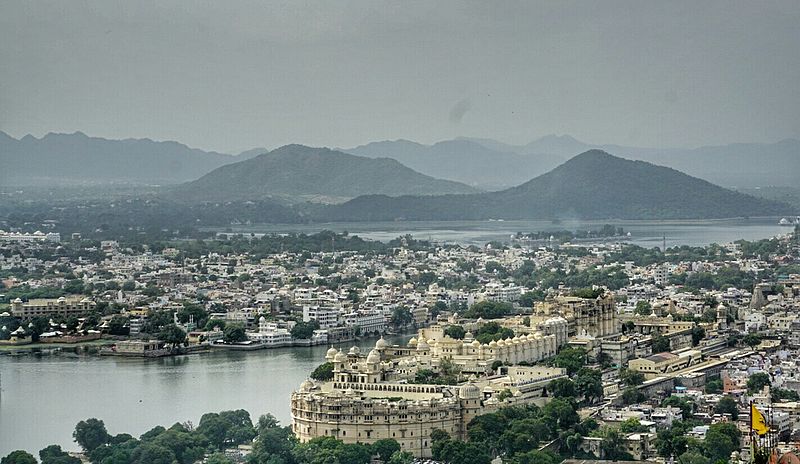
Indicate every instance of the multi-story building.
{"type": "Point", "coordinates": [368, 321]}
{"type": "Point", "coordinates": [46, 307]}
{"type": "Point", "coordinates": [374, 397]}
{"type": "Point", "coordinates": [325, 317]}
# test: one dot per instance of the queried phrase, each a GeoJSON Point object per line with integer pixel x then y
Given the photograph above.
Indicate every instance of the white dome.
{"type": "Point", "coordinates": [307, 385]}
{"type": "Point", "coordinates": [340, 357]}
{"type": "Point", "coordinates": [412, 342]}
{"type": "Point", "coordinates": [381, 344]}
{"type": "Point", "coordinates": [476, 343]}
{"type": "Point", "coordinates": [469, 391]}
{"type": "Point", "coordinates": [374, 357]}
{"type": "Point", "coordinates": [354, 350]}
{"type": "Point", "coordinates": [332, 352]}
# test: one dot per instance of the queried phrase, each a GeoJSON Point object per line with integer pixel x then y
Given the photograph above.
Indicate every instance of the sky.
{"type": "Point", "coordinates": [232, 75]}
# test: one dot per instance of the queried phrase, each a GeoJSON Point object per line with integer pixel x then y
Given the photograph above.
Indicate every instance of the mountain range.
{"type": "Point", "coordinates": [69, 159]}
{"type": "Point", "coordinates": [296, 173]}
{"type": "Point", "coordinates": [64, 159]}
{"type": "Point", "coordinates": [464, 161]}
{"type": "Point", "coordinates": [592, 185]}
{"type": "Point", "coordinates": [493, 165]}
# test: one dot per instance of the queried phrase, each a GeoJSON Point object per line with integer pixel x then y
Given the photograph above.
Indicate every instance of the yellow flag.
{"type": "Point", "coordinates": [757, 421]}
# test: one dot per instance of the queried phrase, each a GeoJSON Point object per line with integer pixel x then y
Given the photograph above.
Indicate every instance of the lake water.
{"type": "Point", "coordinates": [42, 397]}
{"type": "Point", "coordinates": [644, 233]}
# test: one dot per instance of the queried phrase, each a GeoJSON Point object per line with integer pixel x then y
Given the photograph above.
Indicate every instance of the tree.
{"type": "Point", "coordinates": [661, 344]}
{"type": "Point", "coordinates": [234, 333]}
{"type": "Point", "coordinates": [714, 386]}
{"type": "Point", "coordinates": [489, 310]}
{"type": "Point", "coordinates": [401, 317]}
{"type": "Point", "coordinates": [304, 330]}
{"type": "Point", "coordinates": [148, 453]}
{"type": "Point", "coordinates": [172, 335]}
{"type": "Point", "coordinates": [631, 378]}
{"type": "Point", "coordinates": [218, 458]}
{"type": "Point", "coordinates": [571, 359]}
{"type": "Point", "coordinates": [757, 382]}
{"type": "Point", "coordinates": [18, 457]}
{"type": "Point", "coordinates": [90, 434]}
{"type": "Point", "coordinates": [323, 372]}
{"type": "Point", "coordinates": [588, 383]}
{"type": "Point", "coordinates": [455, 331]}
{"type": "Point", "coordinates": [53, 454]}
{"type": "Point", "coordinates": [632, 425]}
{"type": "Point", "coordinates": [632, 395]}
{"type": "Point", "coordinates": [643, 308]}
{"type": "Point", "coordinates": [401, 457]}
{"type": "Point", "coordinates": [686, 406]}
{"type": "Point", "coordinates": [721, 440]}
{"type": "Point", "coordinates": [752, 340]}
{"type": "Point", "coordinates": [698, 333]}
{"type": "Point", "coordinates": [562, 388]}
{"type": "Point", "coordinates": [727, 405]}
{"type": "Point", "coordinates": [385, 448]}
{"type": "Point", "coordinates": [118, 325]}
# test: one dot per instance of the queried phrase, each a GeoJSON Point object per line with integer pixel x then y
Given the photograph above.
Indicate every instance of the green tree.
{"type": "Point", "coordinates": [632, 395]}
{"type": "Point", "coordinates": [18, 457]}
{"type": "Point", "coordinates": [757, 382]}
{"type": "Point", "coordinates": [721, 440]}
{"type": "Point", "coordinates": [234, 333]}
{"type": "Point", "coordinates": [323, 372]}
{"type": "Point", "coordinates": [562, 388]}
{"type": "Point", "coordinates": [118, 325]}
{"type": "Point", "coordinates": [304, 330]}
{"type": "Point", "coordinates": [172, 335]}
{"type": "Point", "coordinates": [661, 344]}
{"type": "Point", "coordinates": [571, 359]}
{"type": "Point", "coordinates": [53, 454]}
{"type": "Point", "coordinates": [385, 448]}
{"type": "Point", "coordinates": [631, 378]}
{"type": "Point", "coordinates": [588, 383]}
{"type": "Point", "coordinates": [727, 405]}
{"type": "Point", "coordinates": [90, 434]}
{"type": "Point", "coordinates": [686, 406]}
{"type": "Point", "coordinates": [401, 457]}
{"type": "Point", "coordinates": [401, 317]}
{"type": "Point", "coordinates": [752, 340]}
{"type": "Point", "coordinates": [218, 458]}
{"type": "Point", "coordinates": [489, 310]}
{"type": "Point", "coordinates": [455, 331]}
{"type": "Point", "coordinates": [714, 386]}
{"type": "Point", "coordinates": [148, 453]}
{"type": "Point", "coordinates": [643, 308]}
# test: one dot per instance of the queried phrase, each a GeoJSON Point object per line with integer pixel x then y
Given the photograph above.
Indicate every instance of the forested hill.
{"type": "Point", "coordinates": [296, 173]}
{"type": "Point", "coordinates": [592, 185]}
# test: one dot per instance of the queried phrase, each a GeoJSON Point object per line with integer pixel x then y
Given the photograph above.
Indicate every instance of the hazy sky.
{"type": "Point", "coordinates": [233, 75]}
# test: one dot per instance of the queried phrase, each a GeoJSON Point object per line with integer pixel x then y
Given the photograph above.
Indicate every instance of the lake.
{"type": "Point", "coordinates": [643, 233]}
{"type": "Point", "coordinates": [43, 396]}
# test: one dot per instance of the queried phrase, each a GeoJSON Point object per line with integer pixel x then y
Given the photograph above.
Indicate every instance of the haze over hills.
{"type": "Point", "coordinates": [64, 159]}
{"type": "Point", "coordinates": [742, 165]}
{"type": "Point", "coordinates": [464, 161]}
{"type": "Point", "coordinates": [592, 185]}
{"type": "Point", "coordinates": [296, 173]}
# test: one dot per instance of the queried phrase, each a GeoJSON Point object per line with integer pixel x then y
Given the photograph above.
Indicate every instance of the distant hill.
{"type": "Point", "coordinates": [296, 173]}
{"type": "Point", "coordinates": [465, 161]}
{"type": "Point", "coordinates": [743, 165]}
{"type": "Point", "coordinates": [64, 159]}
{"type": "Point", "coordinates": [592, 185]}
